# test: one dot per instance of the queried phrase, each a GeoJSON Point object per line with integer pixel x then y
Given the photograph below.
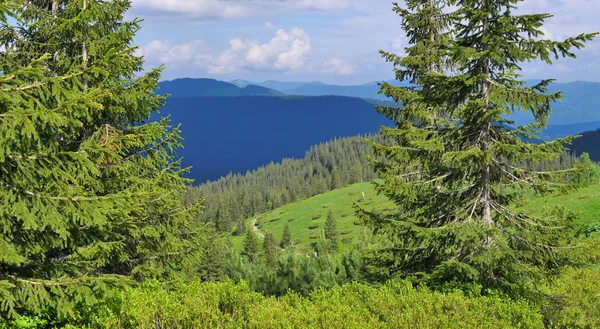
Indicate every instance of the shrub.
{"type": "Point", "coordinates": [317, 216]}
{"type": "Point", "coordinates": [313, 226]}
{"type": "Point", "coordinates": [394, 305]}
{"type": "Point", "coordinates": [574, 299]}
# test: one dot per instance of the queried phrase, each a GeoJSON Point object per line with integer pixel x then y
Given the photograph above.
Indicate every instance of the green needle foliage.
{"type": "Point", "coordinates": [331, 233]}
{"type": "Point", "coordinates": [270, 251]}
{"type": "Point", "coordinates": [286, 237]}
{"type": "Point", "coordinates": [451, 165]}
{"type": "Point", "coordinates": [89, 192]}
{"type": "Point", "coordinates": [251, 246]}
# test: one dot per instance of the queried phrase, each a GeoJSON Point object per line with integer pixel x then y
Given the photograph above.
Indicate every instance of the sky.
{"type": "Point", "coordinates": [332, 41]}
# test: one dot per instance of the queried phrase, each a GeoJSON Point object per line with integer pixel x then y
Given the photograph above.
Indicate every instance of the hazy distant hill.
{"type": "Point", "coordinates": [581, 102]}
{"type": "Point", "coordinates": [556, 131]}
{"type": "Point", "coordinates": [187, 87]}
{"type": "Point", "coordinates": [281, 86]}
{"type": "Point", "coordinates": [223, 134]}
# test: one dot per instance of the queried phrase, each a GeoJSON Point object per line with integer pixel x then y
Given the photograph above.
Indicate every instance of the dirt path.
{"type": "Point", "coordinates": [255, 228]}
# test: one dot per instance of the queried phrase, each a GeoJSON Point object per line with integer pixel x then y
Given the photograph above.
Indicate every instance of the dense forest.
{"type": "Point", "coordinates": [232, 199]}
{"type": "Point", "coordinates": [102, 229]}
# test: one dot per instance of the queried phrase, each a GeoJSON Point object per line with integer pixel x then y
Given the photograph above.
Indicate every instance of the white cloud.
{"type": "Point", "coordinates": [337, 66]}
{"type": "Point", "coordinates": [269, 26]}
{"type": "Point", "coordinates": [286, 51]}
{"type": "Point", "coordinates": [194, 52]}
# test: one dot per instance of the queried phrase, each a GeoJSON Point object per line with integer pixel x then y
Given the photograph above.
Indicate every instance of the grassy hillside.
{"type": "Point", "coordinates": [585, 202]}
{"type": "Point", "coordinates": [313, 211]}
{"type": "Point", "coordinates": [303, 215]}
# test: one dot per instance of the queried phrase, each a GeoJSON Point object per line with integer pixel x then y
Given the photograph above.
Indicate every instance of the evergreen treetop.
{"type": "Point", "coordinates": [286, 238]}
{"type": "Point", "coordinates": [331, 233]}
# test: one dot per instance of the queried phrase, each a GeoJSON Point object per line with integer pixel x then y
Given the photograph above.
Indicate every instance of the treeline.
{"type": "Point", "coordinates": [234, 198]}
{"type": "Point", "coordinates": [230, 200]}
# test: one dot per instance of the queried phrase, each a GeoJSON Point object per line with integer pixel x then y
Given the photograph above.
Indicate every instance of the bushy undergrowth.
{"type": "Point", "coordinates": [574, 302]}
{"type": "Point", "coordinates": [395, 305]}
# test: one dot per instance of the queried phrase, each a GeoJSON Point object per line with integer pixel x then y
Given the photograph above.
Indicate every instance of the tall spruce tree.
{"type": "Point", "coordinates": [251, 246]}
{"type": "Point", "coordinates": [270, 251]}
{"type": "Point", "coordinates": [89, 192]}
{"type": "Point", "coordinates": [331, 233]}
{"type": "Point", "coordinates": [286, 237]}
{"type": "Point", "coordinates": [452, 166]}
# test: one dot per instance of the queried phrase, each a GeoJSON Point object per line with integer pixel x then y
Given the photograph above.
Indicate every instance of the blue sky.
{"type": "Point", "coordinates": [333, 41]}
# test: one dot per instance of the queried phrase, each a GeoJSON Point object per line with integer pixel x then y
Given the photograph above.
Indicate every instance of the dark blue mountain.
{"type": "Point", "coordinates": [187, 87]}
{"type": "Point", "coordinates": [589, 142]}
{"type": "Point", "coordinates": [223, 134]}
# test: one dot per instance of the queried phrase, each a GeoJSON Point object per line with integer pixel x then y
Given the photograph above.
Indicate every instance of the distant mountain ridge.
{"type": "Point", "coordinates": [188, 87]}
{"type": "Point", "coordinates": [581, 102]}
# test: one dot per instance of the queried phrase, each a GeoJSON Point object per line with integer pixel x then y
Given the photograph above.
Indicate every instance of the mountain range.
{"type": "Point", "coordinates": [187, 87]}
{"type": "Point", "coordinates": [238, 126]}
{"type": "Point", "coordinates": [237, 134]}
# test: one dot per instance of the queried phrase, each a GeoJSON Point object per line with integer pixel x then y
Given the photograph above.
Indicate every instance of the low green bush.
{"type": "Point", "coordinates": [574, 299]}
{"type": "Point", "coordinates": [395, 305]}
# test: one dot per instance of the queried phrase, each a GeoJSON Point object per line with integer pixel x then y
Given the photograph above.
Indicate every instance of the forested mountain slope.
{"type": "Point", "coordinates": [230, 200]}
{"type": "Point", "coordinates": [237, 134]}
{"type": "Point", "coordinates": [589, 142]}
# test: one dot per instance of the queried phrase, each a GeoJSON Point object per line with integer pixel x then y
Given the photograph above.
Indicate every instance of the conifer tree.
{"type": "Point", "coordinates": [270, 251]}
{"type": "Point", "coordinates": [251, 246]}
{"type": "Point", "coordinates": [89, 191]}
{"type": "Point", "coordinates": [286, 238]}
{"type": "Point", "coordinates": [451, 164]}
{"type": "Point", "coordinates": [331, 233]}
{"type": "Point", "coordinates": [588, 172]}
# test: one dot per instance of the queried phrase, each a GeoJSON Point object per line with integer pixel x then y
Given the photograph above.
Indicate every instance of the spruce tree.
{"type": "Point", "coordinates": [90, 192]}
{"type": "Point", "coordinates": [270, 251]}
{"type": "Point", "coordinates": [286, 238]}
{"type": "Point", "coordinates": [251, 246]}
{"type": "Point", "coordinates": [331, 233]}
{"type": "Point", "coordinates": [451, 164]}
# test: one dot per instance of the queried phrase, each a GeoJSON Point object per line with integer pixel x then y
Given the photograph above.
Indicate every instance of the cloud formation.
{"type": "Point", "coordinates": [286, 51]}
{"type": "Point", "coordinates": [343, 42]}
{"type": "Point", "coordinates": [336, 66]}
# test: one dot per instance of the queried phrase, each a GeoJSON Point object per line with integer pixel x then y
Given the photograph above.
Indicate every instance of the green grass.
{"type": "Point", "coordinates": [585, 202]}
{"type": "Point", "coordinates": [301, 215]}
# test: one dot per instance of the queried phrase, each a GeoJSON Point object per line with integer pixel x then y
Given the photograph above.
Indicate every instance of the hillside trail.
{"type": "Point", "coordinates": [255, 228]}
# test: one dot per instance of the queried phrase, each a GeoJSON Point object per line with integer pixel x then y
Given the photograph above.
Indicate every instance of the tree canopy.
{"type": "Point", "coordinates": [454, 167]}
{"type": "Point", "coordinates": [90, 191]}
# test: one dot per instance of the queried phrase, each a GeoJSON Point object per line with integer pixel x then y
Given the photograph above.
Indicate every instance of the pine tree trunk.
{"type": "Point", "coordinates": [55, 15]}
{"type": "Point", "coordinates": [84, 54]}
{"type": "Point", "coordinates": [486, 134]}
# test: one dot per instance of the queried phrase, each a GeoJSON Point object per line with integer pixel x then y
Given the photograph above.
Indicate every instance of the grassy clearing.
{"type": "Point", "coordinates": [307, 218]}
{"type": "Point", "coordinates": [585, 202]}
